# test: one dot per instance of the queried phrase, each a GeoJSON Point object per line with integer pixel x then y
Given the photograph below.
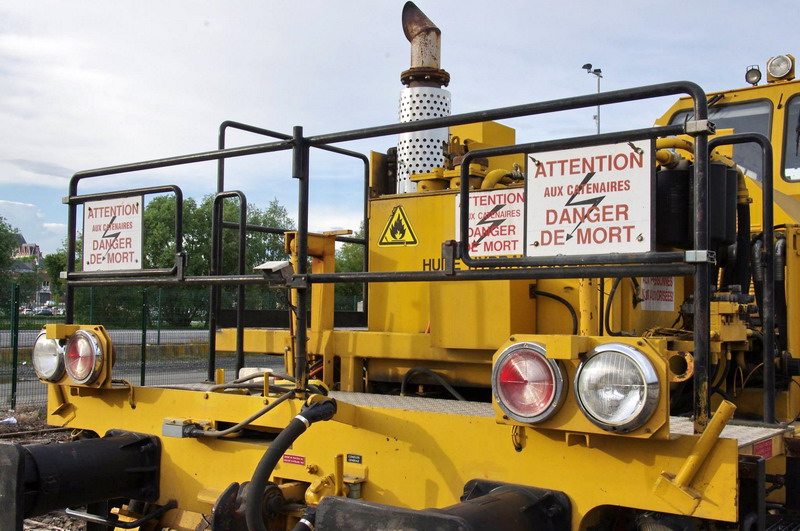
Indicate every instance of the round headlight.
{"type": "Point", "coordinates": [753, 75]}
{"type": "Point", "coordinates": [527, 386]}
{"type": "Point", "coordinates": [617, 387]}
{"type": "Point", "coordinates": [48, 358]}
{"type": "Point", "coordinates": [84, 357]}
{"type": "Point", "coordinates": [779, 66]}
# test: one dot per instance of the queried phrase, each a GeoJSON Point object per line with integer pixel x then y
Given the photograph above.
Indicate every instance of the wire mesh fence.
{"type": "Point", "coordinates": [160, 336]}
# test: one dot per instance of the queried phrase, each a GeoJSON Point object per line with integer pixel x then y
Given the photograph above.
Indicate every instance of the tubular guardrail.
{"type": "Point", "coordinates": [582, 266]}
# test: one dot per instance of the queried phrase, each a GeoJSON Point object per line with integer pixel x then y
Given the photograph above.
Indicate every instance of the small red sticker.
{"type": "Point", "coordinates": [763, 449]}
{"type": "Point", "coordinates": [294, 459]}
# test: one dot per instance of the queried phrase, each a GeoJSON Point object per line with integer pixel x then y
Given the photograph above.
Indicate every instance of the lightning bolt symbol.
{"type": "Point", "coordinates": [114, 236]}
{"type": "Point", "coordinates": [488, 219]}
{"type": "Point", "coordinates": [594, 201]}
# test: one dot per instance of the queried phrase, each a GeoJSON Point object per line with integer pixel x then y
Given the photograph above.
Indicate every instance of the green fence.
{"type": "Point", "coordinates": [160, 335]}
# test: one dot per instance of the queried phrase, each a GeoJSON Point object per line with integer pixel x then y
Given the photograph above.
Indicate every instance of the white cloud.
{"type": "Point", "coordinates": [94, 84]}
{"type": "Point", "coordinates": [330, 218]}
{"type": "Point", "coordinates": [29, 220]}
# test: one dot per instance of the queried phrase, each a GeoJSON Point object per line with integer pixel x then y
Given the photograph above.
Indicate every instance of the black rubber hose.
{"type": "Point", "coordinates": [439, 378]}
{"type": "Point", "coordinates": [780, 294]}
{"type": "Point", "coordinates": [566, 303]}
{"type": "Point", "coordinates": [757, 270]}
{"type": "Point", "coordinates": [255, 494]}
{"type": "Point", "coordinates": [739, 271]}
{"type": "Point", "coordinates": [610, 300]}
{"type": "Point", "coordinates": [306, 522]}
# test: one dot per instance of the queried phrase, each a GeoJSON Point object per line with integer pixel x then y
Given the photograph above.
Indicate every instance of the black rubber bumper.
{"type": "Point", "coordinates": [484, 505]}
{"type": "Point", "coordinates": [38, 478]}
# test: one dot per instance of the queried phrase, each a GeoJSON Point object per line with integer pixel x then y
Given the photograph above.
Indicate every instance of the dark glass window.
{"type": "Point", "coordinates": [791, 147]}
{"type": "Point", "coordinates": [752, 117]}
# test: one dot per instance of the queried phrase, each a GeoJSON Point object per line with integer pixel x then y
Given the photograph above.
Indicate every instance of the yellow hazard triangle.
{"type": "Point", "coordinates": [398, 230]}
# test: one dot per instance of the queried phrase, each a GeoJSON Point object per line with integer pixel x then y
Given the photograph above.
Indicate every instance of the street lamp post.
{"type": "Point", "coordinates": [598, 74]}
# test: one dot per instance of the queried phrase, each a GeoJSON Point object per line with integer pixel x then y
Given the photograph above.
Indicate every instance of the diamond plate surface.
{"type": "Point", "coordinates": [744, 434]}
{"type": "Point", "coordinates": [413, 403]}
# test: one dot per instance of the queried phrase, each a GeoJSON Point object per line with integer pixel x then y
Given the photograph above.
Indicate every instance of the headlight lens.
{"type": "Point", "coordinates": [779, 66]}
{"type": "Point", "coordinates": [753, 75]}
{"type": "Point", "coordinates": [527, 386]}
{"type": "Point", "coordinates": [84, 357]}
{"type": "Point", "coordinates": [48, 358]}
{"type": "Point", "coordinates": [617, 387]}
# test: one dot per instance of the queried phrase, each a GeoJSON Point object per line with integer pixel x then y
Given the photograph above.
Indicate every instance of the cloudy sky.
{"type": "Point", "coordinates": [88, 84]}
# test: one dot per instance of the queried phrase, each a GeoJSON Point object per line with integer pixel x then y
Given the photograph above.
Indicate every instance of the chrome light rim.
{"type": "Point", "coordinates": [556, 370]}
{"type": "Point", "coordinates": [779, 66]}
{"type": "Point", "coordinates": [58, 372]}
{"type": "Point", "coordinates": [649, 377]}
{"type": "Point", "coordinates": [96, 352]}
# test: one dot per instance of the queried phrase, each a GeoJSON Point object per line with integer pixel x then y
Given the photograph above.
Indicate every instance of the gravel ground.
{"type": "Point", "coordinates": [30, 427]}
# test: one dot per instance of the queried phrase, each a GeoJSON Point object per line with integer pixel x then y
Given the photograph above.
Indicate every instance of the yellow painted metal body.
{"type": "Point", "coordinates": [787, 194]}
{"type": "Point", "coordinates": [410, 458]}
{"type": "Point", "coordinates": [416, 455]}
{"type": "Point", "coordinates": [456, 328]}
{"type": "Point", "coordinates": [786, 213]}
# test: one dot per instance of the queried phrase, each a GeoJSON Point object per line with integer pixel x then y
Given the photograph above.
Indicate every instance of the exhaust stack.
{"type": "Point", "coordinates": [423, 98]}
{"type": "Point", "coordinates": [426, 50]}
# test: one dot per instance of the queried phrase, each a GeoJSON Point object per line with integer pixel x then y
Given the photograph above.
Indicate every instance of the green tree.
{"type": "Point", "coordinates": [350, 258]}
{"type": "Point", "coordinates": [159, 238]}
{"type": "Point", "coordinates": [260, 247]}
{"type": "Point", "coordinates": [54, 264]}
{"type": "Point", "coordinates": [159, 235]}
{"type": "Point", "coordinates": [29, 284]}
{"type": "Point", "coordinates": [189, 304]}
{"type": "Point", "coordinates": [9, 240]}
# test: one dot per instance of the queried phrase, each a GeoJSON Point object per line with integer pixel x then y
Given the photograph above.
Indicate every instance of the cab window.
{"type": "Point", "coordinates": [791, 146]}
{"type": "Point", "coordinates": [751, 117]}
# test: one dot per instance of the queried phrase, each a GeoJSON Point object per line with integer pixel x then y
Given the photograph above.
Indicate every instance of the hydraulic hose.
{"type": "Point", "coordinates": [444, 383]}
{"type": "Point", "coordinates": [306, 522]}
{"type": "Point", "coordinates": [566, 304]}
{"type": "Point", "coordinates": [757, 269]}
{"type": "Point", "coordinates": [780, 293]}
{"type": "Point", "coordinates": [309, 415]}
{"type": "Point", "coordinates": [607, 319]}
{"type": "Point", "coordinates": [493, 178]}
{"type": "Point", "coordinates": [739, 272]}
{"type": "Point", "coordinates": [233, 429]}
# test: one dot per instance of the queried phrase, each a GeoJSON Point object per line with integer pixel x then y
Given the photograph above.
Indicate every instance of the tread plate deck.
{"type": "Point", "coordinates": [746, 435]}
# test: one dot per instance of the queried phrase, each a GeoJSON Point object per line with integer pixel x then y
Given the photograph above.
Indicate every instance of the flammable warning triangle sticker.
{"type": "Point", "coordinates": [398, 230]}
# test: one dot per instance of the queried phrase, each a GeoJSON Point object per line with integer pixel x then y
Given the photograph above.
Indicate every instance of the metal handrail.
{"type": "Point", "coordinates": [644, 262]}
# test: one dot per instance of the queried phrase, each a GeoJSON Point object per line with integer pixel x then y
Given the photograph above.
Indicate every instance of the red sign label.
{"type": "Point", "coordinates": [763, 449]}
{"type": "Point", "coordinates": [294, 459]}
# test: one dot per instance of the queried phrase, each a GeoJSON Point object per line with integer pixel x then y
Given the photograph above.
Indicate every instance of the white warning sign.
{"type": "Point", "coordinates": [496, 222]}
{"type": "Point", "coordinates": [658, 294]}
{"type": "Point", "coordinates": [112, 234]}
{"type": "Point", "coordinates": [593, 200]}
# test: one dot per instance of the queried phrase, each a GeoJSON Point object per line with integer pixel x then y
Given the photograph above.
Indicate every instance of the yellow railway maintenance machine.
{"type": "Point", "coordinates": [587, 333]}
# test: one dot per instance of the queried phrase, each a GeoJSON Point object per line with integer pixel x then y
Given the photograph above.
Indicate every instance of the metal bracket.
{"type": "Point", "coordinates": [752, 480]}
{"type": "Point", "coordinates": [180, 265]}
{"type": "Point", "coordinates": [449, 251]}
{"type": "Point", "coordinates": [699, 127]}
{"type": "Point", "coordinates": [700, 257]}
{"type": "Point", "coordinates": [298, 282]}
{"type": "Point", "coordinates": [94, 519]}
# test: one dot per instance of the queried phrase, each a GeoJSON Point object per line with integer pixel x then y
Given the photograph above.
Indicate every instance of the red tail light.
{"type": "Point", "coordinates": [84, 357]}
{"type": "Point", "coordinates": [527, 386]}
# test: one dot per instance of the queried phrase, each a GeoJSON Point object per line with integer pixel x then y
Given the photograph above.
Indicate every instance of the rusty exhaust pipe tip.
{"type": "Point", "coordinates": [415, 22]}
{"type": "Point", "coordinates": [426, 47]}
